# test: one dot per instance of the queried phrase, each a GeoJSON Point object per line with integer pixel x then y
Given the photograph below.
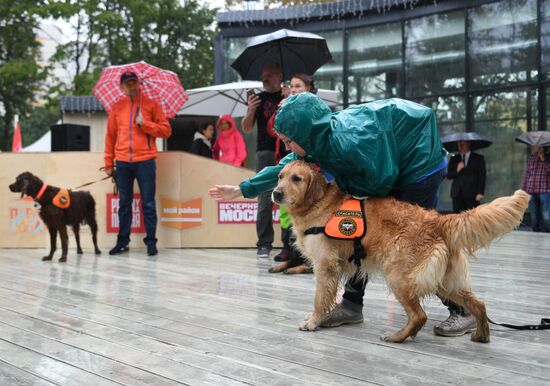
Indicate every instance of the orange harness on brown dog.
{"type": "Point", "coordinates": [62, 199]}
{"type": "Point", "coordinates": [347, 223]}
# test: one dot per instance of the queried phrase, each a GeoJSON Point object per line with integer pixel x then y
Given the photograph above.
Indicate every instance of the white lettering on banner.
{"type": "Point", "coordinates": [186, 210]}
{"type": "Point", "coordinates": [189, 210]}
{"type": "Point", "coordinates": [113, 203]}
{"type": "Point", "coordinates": [244, 212]}
{"type": "Point", "coordinates": [249, 215]}
{"type": "Point", "coordinates": [136, 220]}
{"type": "Point", "coordinates": [276, 214]}
{"type": "Point", "coordinates": [135, 205]}
{"type": "Point", "coordinates": [176, 219]}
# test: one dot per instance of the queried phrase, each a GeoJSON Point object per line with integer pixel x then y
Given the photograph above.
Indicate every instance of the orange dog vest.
{"type": "Point", "coordinates": [62, 199]}
{"type": "Point", "coordinates": [347, 223]}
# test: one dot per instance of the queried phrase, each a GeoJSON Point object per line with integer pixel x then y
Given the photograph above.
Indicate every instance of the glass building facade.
{"type": "Point", "coordinates": [482, 66]}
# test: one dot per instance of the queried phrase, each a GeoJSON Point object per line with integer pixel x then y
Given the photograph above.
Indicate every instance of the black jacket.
{"type": "Point", "coordinates": [200, 148]}
{"type": "Point", "coordinates": [471, 180]}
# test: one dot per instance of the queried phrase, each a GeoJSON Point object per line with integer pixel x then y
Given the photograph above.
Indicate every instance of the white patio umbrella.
{"type": "Point", "coordinates": [230, 98]}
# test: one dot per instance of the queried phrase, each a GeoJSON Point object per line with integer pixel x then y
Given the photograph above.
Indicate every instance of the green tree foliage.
{"type": "Point", "coordinates": [20, 73]}
{"type": "Point", "coordinates": [171, 34]}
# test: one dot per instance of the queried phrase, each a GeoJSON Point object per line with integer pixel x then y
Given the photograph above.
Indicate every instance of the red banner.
{"type": "Point", "coordinates": [138, 226]}
{"type": "Point", "coordinates": [242, 212]}
{"type": "Point", "coordinates": [17, 142]}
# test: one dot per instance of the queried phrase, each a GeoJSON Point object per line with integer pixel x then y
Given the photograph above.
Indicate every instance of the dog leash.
{"type": "Point", "coordinates": [544, 325]}
{"type": "Point", "coordinates": [112, 177]}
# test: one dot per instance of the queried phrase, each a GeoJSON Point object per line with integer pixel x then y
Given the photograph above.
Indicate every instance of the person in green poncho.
{"type": "Point", "coordinates": [386, 147]}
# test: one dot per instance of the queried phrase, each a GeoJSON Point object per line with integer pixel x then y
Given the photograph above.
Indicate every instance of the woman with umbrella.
{"type": "Point", "coordinates": [466, 169]}
{"type": "Point", "coordinates": [536, 180]}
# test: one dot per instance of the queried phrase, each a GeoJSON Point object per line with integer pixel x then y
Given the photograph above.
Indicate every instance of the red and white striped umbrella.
{"type": "Point", "coordinates": [160, 85]}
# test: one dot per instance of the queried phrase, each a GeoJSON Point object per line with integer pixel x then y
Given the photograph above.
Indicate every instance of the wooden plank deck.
{"type": "Point", "coordinates": [216, 317]}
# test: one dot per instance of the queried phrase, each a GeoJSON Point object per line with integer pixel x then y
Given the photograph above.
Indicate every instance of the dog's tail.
{"type": "Point", "coordinates": [476, 228]}
{"type": "Point", "coordinates": [89, 215]}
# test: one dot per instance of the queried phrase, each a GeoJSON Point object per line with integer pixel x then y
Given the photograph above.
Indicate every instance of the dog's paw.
{"type": "Point", "coordinates": [307, 325]}
{"type": "Point", "coordinates": [63, 259]}
{"type": "Point", "coordinates": [480, 338]}
{"type": "Point", "coordinates": [47, 258]}
{"type": "Point", "coordinates": [79, 251]}
{"type": "Point", "coordinates": [97, 252]}
{"type": "Point", "coordinates": [392, 338]}
{"type": "Point", "coordinates": [308, 316]}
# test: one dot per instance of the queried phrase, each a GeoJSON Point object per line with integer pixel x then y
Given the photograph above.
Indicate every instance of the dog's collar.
{"type": "Point", "coordinates": [41, 192]}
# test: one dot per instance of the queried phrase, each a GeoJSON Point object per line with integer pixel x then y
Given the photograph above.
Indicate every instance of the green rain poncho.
{"type": "Point", "coordinates": [369, 148]}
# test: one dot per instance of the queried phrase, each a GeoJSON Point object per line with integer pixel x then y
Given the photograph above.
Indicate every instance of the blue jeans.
{"type": "Point", "coordinates": [423, 193]}
{"type": "Point", "coordinates": [145, 173]}
{"type": "Point", "coordinates": [539, 208]}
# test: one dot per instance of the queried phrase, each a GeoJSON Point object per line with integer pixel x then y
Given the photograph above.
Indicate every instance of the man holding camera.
{"type": "Point", "coordinates": [260, 108]}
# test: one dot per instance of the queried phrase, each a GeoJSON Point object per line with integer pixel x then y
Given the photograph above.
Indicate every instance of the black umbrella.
{"type": "Point", "coordinates": [477, 141]}
{"type": "Point", "coordinates": [535, 138]}
{"type": "Point", "coordinates": [294, 51]}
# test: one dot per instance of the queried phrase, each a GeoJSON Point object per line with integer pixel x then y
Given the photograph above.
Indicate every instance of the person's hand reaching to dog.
{"type": "Point", "coordinates": [224, 192]}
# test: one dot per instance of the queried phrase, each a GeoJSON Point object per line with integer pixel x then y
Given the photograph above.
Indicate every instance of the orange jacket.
{"type": "Point", "coordinates": [125, 140]}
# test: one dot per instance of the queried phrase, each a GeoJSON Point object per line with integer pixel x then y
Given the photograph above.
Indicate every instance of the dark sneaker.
{"type": "Point", "coordinates": [263, 252]}
{"type": "Point", "coordinates": [282, 256]}
{"type": "Point", "coordinates": [341, 315]}
{"type": "Point", "coordinates": [152, 250]}
{"type": "Point", "coordinates": [118, 249]}
{"type": "Point", "coordinates": [456, 325]}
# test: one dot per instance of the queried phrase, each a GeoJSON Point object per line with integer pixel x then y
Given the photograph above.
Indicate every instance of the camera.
{"type": "Point", "coordinates": [249, 93]}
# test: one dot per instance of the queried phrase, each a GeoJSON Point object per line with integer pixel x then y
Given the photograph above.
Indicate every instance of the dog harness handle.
{"type": "Point", "coordinates": [347, 223]}
{"type": "Point", "coordinates": [41, 192]}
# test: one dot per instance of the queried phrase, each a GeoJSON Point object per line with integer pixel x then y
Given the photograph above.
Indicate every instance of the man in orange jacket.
{"type": "Point", "coordinates": [134, 123]}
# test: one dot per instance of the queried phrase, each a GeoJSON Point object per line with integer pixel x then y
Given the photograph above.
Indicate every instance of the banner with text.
{"type": "Point", "coordinates": [181, 214]}
{"type": "Point", "coordinates": [241, 212]}
{"type": "Point", "coordinates": [113, 203]}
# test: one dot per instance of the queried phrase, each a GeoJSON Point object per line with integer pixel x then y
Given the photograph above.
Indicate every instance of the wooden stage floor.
{"type": "Point", "coordinates": [216, 317]}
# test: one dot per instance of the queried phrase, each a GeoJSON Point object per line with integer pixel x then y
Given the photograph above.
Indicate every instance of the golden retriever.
{"type": "Point", "coordinates": [420, 252]}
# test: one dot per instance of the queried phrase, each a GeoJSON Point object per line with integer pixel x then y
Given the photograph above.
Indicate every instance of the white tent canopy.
{"type": "Point", "coordinates": [44, 144]}
{"type": "Point", "coordinates": [230, 98]}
